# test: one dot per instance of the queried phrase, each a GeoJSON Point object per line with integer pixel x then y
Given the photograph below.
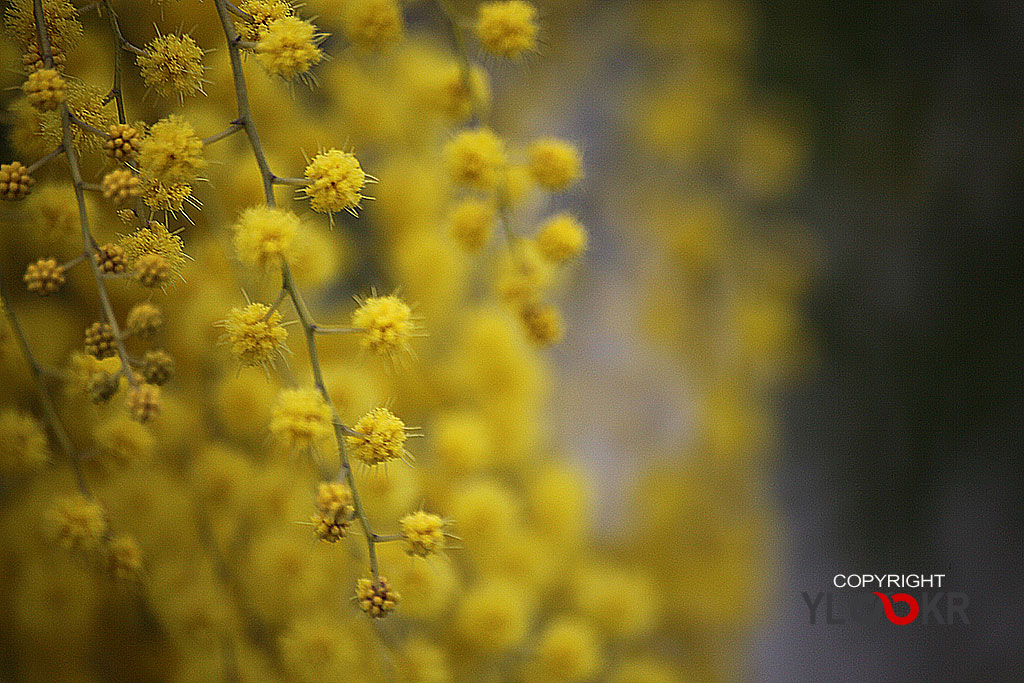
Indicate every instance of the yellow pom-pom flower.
{"type": "Point", "coordinates": [386, 323]}
{"type": "Point", "coordinates": [372, 24]}
{"type": "Point", "coordinates": [23, 446]}
{"type": "Point", "coordinates": [476, 159]}
{"type": "Point", "coordinates": [255, 334]}
{"type": "Point", "coordinates": [494, 617]}
{"type": "Point", "coordinates": [172, 64]}
{"type": "Point", "coordinates": [568, 651]}
{"type": "Point", "coordinates": [264, 234]}
{"type": "Point", "coordinates": [554, 164]}
{"type": "Point", "coordinates": [561, 238]}
{"type": "Point", "coordinates": [289, 47]}
{"type": "Point", "coordinates": [261, 14]}
{"type": "Point", "coordinates": [336, 182]}
{"type": "Point", "coordinates": [380, 437]}
{"type": "Point", "coordinates": [172, 152]}
{"type": "Point", "coordinates": [377, 599]}
{"type": "Point", "coordinates": [78, 523]}
{"type": "Point", "coordinates": [423, 532]}
{"type": "Point", "coordinates": [471, 222]}
{"type": "Point", "coordinates": [507, 28]}
{"type": "Point", "coordinates": [301, 420]}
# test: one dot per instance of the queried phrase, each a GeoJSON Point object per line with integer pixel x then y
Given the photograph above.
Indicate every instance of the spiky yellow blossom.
{"type": "Point", "coordinates": [172, 152]}
{"type": "Point", "coordinates": [336, 182]}
{"type": "Point", "coordinates": [23, 445]}
{"type": "Point", "coordinates": [561, 238]}
{"type": "Point", "coordinates": [77, 523]}
{"type": "Point", "coordinates": [33, 59]}
{"type": "Point", "coordinates": [45, 89]}
{"type": "Point", "coordinates": [507, 28]}
{"type": "Point", "coordinates": [255, 334]}
{"type": "Point", "coordinates": [335, 511]}
{"type": "Point", "coordinates": [161, 196]}
{"type": "Point", "coordinates": [554, 164]}
{"type": "Point", "coordinates": [262, 13]}
{"type": "Point", "coordinates": [122, 559]}
{"type": "Point", "coordinates": [172, 64]}
{"type": "Point", "coordinates": [476, 159]}
{"type": "Point", "coordinates": [377, 599]}
{"type": "Point", "coordinates": [372, 24]}
{"type": "Point", "coordinates": [471, 222]}
{"type": "Point", "coordinates": [301, 420]}
{"type": "Point", "coordinates": [120, 186]}
{"type": "Point", "coordinates": [61, 21]}
{"type": "Point", "coordinates": [424, 533]}
{"type": "Point", "coordinates": [264, 234]}
{"type": "Point", "coordinates": [380, 437]}
{"type": "Point", "coordinates": [289, 47]}
{"type": "Point", "coordinates": [387, 324]}
{"type": "Point", "coordinates": [154, 240]}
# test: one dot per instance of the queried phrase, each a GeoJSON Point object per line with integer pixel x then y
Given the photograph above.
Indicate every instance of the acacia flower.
{"type": "Point", "coordinates": [255, 334]}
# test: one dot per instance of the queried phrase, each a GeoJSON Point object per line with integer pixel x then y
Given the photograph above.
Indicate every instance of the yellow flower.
{"type": "Point", "coordinates": [387, 324]}
{"type": "Point", "coordinates": [45, 89]}
{"type": "Point", "coordinates": [301, 420]}
{"type": "Point", "coordinates": [172, 64]}
{"type": "Point", "coordinates": [493, 617]}
{"type": "Point", "coordinates": [264, 234]}
{"type": "Point", "coordinates": [568, 651]}
{"type": "Point", "coordinates": [172, 152]}
{"type": "Point", "coordinates": [23, 445]}
{"type": "Point", "coordinates": [336, 182]}
{"type": "Point", "coordinates": [263, 13]}
{"type": "Point", "coordinates": [554, 164]}
{"type": "Point", "coordinates": [561, 238]}
{"type": "Point", "coordinates": [77, 523]}
{"type": "Point", "coordinates": [476, 158]}
{"type": "Point", "coordinates": [377, 599]}
{"type": "Point", "coordinates": [471, 222]}
{"type": "Point", "coordinates": [255, 334]}
{"type": "Point", "coordinates": [372, 24]}
{"type": "Point", "coordinates": [380, 437]}
{"type": "Point", "coordinates": [508, 29]}
{"type": "Point", "coordinates": [424, 533]}
{"type": "Point", "coordinates": [289, 47]}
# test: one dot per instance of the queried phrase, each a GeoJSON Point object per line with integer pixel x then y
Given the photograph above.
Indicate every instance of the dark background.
{"type": "Point", "coordinates": [901, 454]}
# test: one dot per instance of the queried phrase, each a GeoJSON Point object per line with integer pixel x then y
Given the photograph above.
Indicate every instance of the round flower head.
{"type": "Point", "coordinates": [334, 511]}
{"type": "Point", "coordinates": [172, 64]}
{"type": "Point", "coordinates": [144, 403]}
{"type": "Point", "coordinates": [336, 182]}
{"type": "Point", "coordinates": [377, 599]}
{"type": "Point", "coordinates": [77, 523]}
{"type": "Point", "coordinates": [156, 250]}
{"type": "Point", "coordinates": [264, 234]}
{"type": "Point", "coordinates": [45, 276]}
{"type": "Point", "coordinates": [120, 186]}
{"type": "Point", "coordinates": [372, 24]}
{"type": "Point", "coordinates": [507, 28]}
{"type": "Point", "coordinates": [554, 164]}
{"type": "Point", "coordinates": [143, 319]}
{"type": "Point", "coordinates": [23, 445]}
{"type": "Point", "coordinates": [255, 334]}
{"type": "Point", "coordinates": [61, 19]}
{"type": "Point", "coordinates": [569, 650]}
{"type": "Point", "coordinates": [471, 222]}
{"type": "Point", "coordinates": [380, 437]}
{"type": "Point", "coordinates": [561, 238]}
{"type": "Point", "coordinates": [262, 14]}
{"type": "Point", "coordinates": [172, 152]}
{"type": "Point", "coordinates": [423, 533]}
{"type": "Point", "coordinates": [301, 420]}
{"type": "Point", "coordinates": [15, 182]}
{"type": "Point", "coordinates": [289, 47]}
{"type": "Point", "coordinates": [543, 324]}
{"type": "Point", "coordinates": [387, 324]}
{"type": "Point", "coordinates": [45, 89]}
{"type": "Point", "coordinates": [476, 158]}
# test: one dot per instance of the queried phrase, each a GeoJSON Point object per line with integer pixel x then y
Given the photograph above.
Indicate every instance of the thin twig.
{"type": "Point", "coordinates": [42, 161]}
{"type": "Point", "coordinates": [230, 130]}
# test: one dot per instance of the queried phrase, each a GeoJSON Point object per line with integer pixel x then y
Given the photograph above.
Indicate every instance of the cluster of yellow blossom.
{"type": "Point", "coordinates": [192, 442]}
